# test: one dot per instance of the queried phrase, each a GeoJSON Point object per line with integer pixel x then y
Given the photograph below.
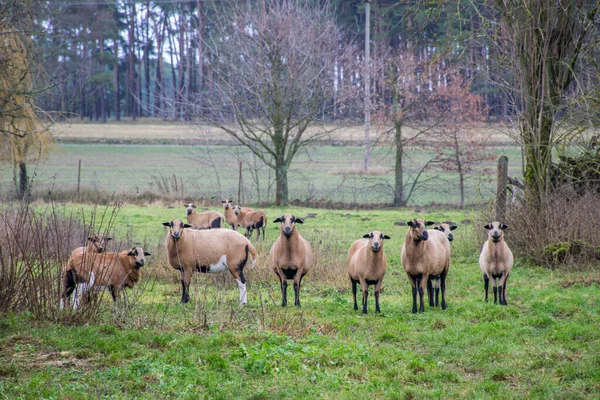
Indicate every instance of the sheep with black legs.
{"type": "Point", "coordinates": [366, 265]}
{"type": "Point", "coordinates": [230, 217]}
{"type": "Point", "coordinates": [251, 220]}
{"type": "Point", "coordinates": [291, 256]}
{"type": "Point", "coordinates": [496, 261]}
{"type": "Point", "coordinates": [203, 220]}
{"type": "Point", "coordinates": [112, 270]}
{"type": "Point", "coordinates": [425, 254]}
{"type": "Point", "coordinates": [208, 251]}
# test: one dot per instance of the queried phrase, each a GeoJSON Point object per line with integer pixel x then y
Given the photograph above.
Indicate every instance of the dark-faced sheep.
{"type": "Point", "coordinates": [425, 253]}
{"type": "Point", "coordinates": [446, 228]}
{"type": "Point", "coordinates": [208, 251]}
{"type": "Point", "coordinates": [112, 270]}
{"type": "Point", "coordinates": [230, 216]}
{"type": "Point", "coordinates": [291, 256]}
{"type": "Point", "coordinates": [203, 220]}
{"type": "Point", "coordinates": [366, 265]}
{"type": "Point", "coordinates": [251, 220]}
{"type": "Point", "coordinates": [496, 261]}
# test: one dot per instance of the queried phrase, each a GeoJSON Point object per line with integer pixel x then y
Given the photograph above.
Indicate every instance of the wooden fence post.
{"type": "Point", "coordinates": [500, 209]}
{"type": "Point", "coordinates": [78, 177]}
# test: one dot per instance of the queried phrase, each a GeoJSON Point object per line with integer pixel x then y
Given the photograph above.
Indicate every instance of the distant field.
{"type": "Point", "coordinates": [134, 158]}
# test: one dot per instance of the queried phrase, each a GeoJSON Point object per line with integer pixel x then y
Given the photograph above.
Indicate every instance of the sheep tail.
{"type": "Point", "coordinates": [252, 252]}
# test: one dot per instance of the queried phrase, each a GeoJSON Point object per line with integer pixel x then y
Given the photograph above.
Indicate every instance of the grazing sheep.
{"type": "Point", "coordinates": [112, 270]}
{"type": "Point", "coordinates": [291, 256]}
{"type": "Point", "coordinates": [425, 253]}
{"type": "Point", "coordinates": [251, 220]}
{"type": "Point", "coordinates": [79, 258]}
{"type": "Point", "coordinates": [208, 251]}
{"type": "Point", "coordinates": [496, 261]}
{"type": "Point", "coordinates": [204, 220]}
{"type": "Point", "coordinates": [446, 228]}
{"type": "Point", "coordinates": [366, 265]}
{"type": "Point", "coordinates": [230, 216]}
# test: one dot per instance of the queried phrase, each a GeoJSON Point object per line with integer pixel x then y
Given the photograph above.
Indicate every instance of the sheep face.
{"type": "Point", "coordinates": [99, 242]}
{"type": "Point", "coordinates": [495, 229]}
{"type": "Point", "coordinates": [418, 229]}
{"type": "Point", "coordinates": [236, 210]}
{"type": "Point", "coordinates": [376, 240]}
{"type": "Point", "coordinates": [228, 204]}
{"type": "Point", "coordinates": [288, 224]}
{"type": "Point", "coordinates": [138, 255]}
{"type": "Point", "coordinates": [446, 228]}
{"type": "Point", "coordinates": [176, 227]}
{"type": "Point", "coordinates": [189, 208]}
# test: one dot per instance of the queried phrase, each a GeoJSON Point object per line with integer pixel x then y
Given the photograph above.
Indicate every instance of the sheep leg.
{"type": "Point", "coordinates": [486, 285]}
{"type": "Point", "coordinates": [502, 290]}
{"type": "Point", "coordinates": [69, 282]}
{"type": "Point", "coordinates": [186, 277]}
{"type": "Point", "coordinates": [365, 294]}
{"type": "Point", "coordinates": [495, 292]}
{"type": "Point", "coordinates": [422, 287]}
{"type": "Point", "coordinates": [443, 288]}
{"type": "Point", "coordinates": [243, 292]}
{"type": "Point", "coordinates": [283, 282]}
{"type": "Point", "coordinates": [377, 290]}
{"type": "Point", "coordinates": [430, 291]}
{"type": "Point", "coordinates": [113, 293]}
{"type": "Point", "coordinates": [354, 284]}
{"type": "Point", "coordinates": [413, 283]}
{"type": "Point", "coordinates": [437, 296]}
{"type": "Point", "coordinates": [297, 280]}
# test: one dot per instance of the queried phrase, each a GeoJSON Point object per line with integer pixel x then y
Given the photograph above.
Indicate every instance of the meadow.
{"type": "Point", "coordinates": [544, 344]}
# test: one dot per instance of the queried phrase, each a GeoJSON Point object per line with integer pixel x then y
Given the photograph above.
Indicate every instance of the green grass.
{"type": "Point", "coordinates": [544, 344]}
{"type": "Point", "coordinates": [321, 172]}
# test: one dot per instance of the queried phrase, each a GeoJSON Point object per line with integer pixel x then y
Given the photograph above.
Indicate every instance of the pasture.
{"type": "Point", "coordinates": [544, 344]}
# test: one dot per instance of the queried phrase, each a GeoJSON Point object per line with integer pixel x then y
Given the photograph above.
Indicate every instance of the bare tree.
{"type": "Point", "coordinates": [274, 78]}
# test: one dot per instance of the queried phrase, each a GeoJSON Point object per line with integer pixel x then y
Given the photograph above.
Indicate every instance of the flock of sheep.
{"type": "Point", "coordinates": [202, 245]}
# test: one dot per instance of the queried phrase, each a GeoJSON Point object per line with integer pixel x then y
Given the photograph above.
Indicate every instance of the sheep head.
{"type": "Point", "coordinates": [236, 210]}
{"type": "Point", "coordinates": [446, 228]}
{"type": "Point", "coordinates": [418, 229]}
{"type": "Point", "coordinates": [288, 224]}
{"type": "Point", "coordinates": [376, 240]}
{"type": "Point", "coordinates": [227, 204]}
{"type": "Point", "coordinates": [138, 255]}
{"type": "Point", "coordinates": [495, 229]}
{"type": "Point", "coordinates": [189, 208]}
{"type": "Point", "coordinates": [99, 242]}
{"type": "Point", "coordinates": [176, 227]}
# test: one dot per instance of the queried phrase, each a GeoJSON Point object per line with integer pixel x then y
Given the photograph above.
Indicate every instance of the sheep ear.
{"type": "Point", "coordinates": [108, 238]}
{"type": "Point", "coordinates": [453, 227]}
{"type": "Point", "coordinates": [166, 223]}
{"type": "Point", "coordinates": [223, 201]}
{"type": "Point", "coordinates": [409, 223]}
{"type": "Point", "coordinates": [193, 206]}
{"type": "Point", "coordinates": [367, 236]}
{"type": "Point", "coordinates": [299, 221]}
{"type": "Point", "coordinates": [131, 252]}
{"type": "Point", "coordinates": [429, 223]}
{"type": "Point", "coordinates": [488, 227]}
{"type": "Point", "coordinates": [437, 228]}
{"type": "Point", "coordinates": [90, 238]}
{"type": "Point", "coordinates": [503, 226]}
{"type": "Point", "coordinates": [147, 254]}
{"type": "Point", "coordinates": [277, 219]}
{"type": "Point", "coordinates": [187, 226]}
{"type": "Point", "coordinates": [386, 237]}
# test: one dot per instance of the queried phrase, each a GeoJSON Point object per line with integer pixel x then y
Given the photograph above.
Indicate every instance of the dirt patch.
{"type": "Point", "coordinates": [586, 282]}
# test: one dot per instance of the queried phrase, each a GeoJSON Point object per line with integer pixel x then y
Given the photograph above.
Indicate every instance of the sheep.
{"type": "Point", "coordinates": [496, 261]}
{"type": "Point", "coordinates": [366, 265]}
{"type": "Point", "coordinates": [446, 228]}
{"type": "Point", "coordinates": [230, 216]}
{"type": "Point", "coordinates": [291, 256]}
{"type": "Point", "coordinates": [425, 253]}
{"type": "Point", "coordinates": [81, 256]}
{"type": "Point", "coordinates": [112, 270]}
{"type": "Point", "coordinates": [204, 220]}
{"type": "Point", "coordinates": [251, 220]}
{"type": "Point", "coordinates": [208, 251]}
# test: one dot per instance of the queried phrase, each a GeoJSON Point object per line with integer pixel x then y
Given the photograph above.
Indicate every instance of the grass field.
{"type": "Point", "coordinates": [544, 344]}
{"type": "Point", "coordinates": [132, 159]}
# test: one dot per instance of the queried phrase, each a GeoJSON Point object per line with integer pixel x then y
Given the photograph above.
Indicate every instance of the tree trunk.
{"type": "Point", "coordinates": [117, 98]}
{"type": "Point", "coordinates": [23, 182]}
{"type": "Point", "coordinates": [398, 173]}
{"type": "Point", "coordinates": [131, 79]}
{"type": "Point", "coordinates": [281, 191]}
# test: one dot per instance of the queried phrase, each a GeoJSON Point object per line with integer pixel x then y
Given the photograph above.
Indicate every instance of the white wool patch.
{"type": "Point", "coordinates": [219, 267]}
{"type": "Point", "coordinates": [81, 288]}
{"type": "Point", "coordinates": [243, 293]}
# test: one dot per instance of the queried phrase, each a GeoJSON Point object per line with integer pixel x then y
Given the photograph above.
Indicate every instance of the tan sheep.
{"type": "Point", "coordinates": [251, 220]}
{"type": "Point", "coordinates": [79, 258]}
{"type": "Point", "coordinates": [203, 220]}
{"type": "Point", "coordinates": [112, 270]}
{"type": "Point", "coordinates": [230, 216]}
{"type": "Point", "coordinates": [446, 228]}
{"type": "Point", "coordinates": [208, 251]}
{"type": "Point", "coordinates": [366, 265]}
{"type": "Point", "coordinates": [425, 253]}
{"type": "Point", "coordinates": [496, 261]}
{"type": "Point", "coordinates": [291, 256]}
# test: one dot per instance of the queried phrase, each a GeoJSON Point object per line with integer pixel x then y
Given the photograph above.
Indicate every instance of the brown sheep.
{"type": "Point", "coordinates": [366, 265]}
{"type": "Point", "coordinates": [251, 220]}
{"type": "Point", "coordinates": [291, 256]}
{"type": "Point", "coordinates": [446, 228]}
{"type": "Point", "coordinates": [425, 253]}
{"type": "Point", "coordinates": [203, 220]}
{"type": "Point", "coordinates": [230, 216]}
{"type": "Point", "coordinates": [496, 261]}
{"type": "Point", "coordinates": [112, 270]}
{"type": "Point", "coordinates": [208, 251]}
